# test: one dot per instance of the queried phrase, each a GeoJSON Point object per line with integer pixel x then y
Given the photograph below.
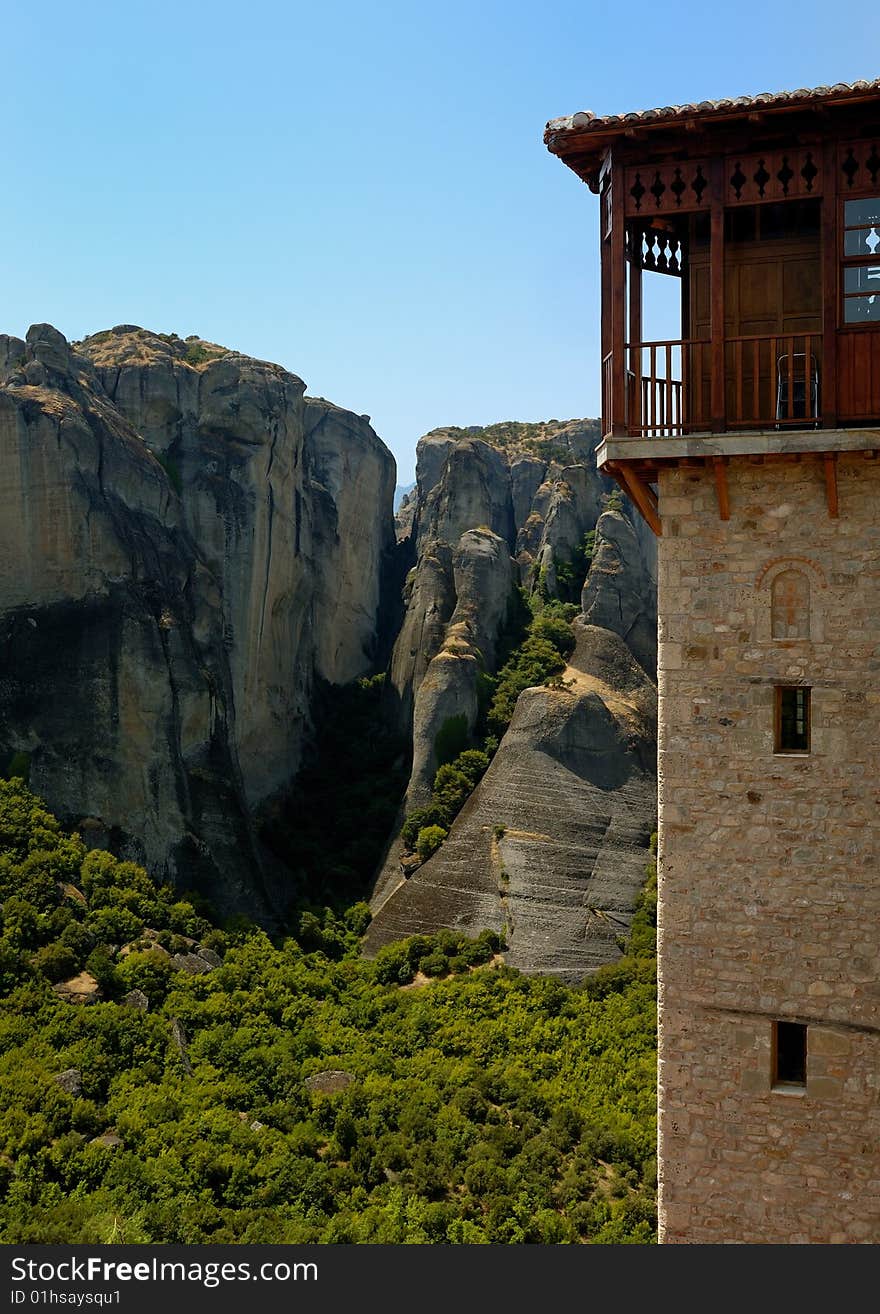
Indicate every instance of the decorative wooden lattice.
{"type": "Point", "coordinates": [748, 179]}
{"type": "Point", "coordinates": [859, 163]}
{"type": "Point", "coordinates": [773, 176]}
{"type": "Point", "coordinates": [667, 188]}
{"type": "Point", "coordinates": [655, 249]}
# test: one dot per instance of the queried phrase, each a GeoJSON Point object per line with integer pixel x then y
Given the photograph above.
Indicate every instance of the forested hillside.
{"type": "Point", "coordinates": [211, 1084]}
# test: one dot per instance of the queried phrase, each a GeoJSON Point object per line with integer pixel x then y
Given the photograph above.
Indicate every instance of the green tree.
{"type": "Point", "coordinates": [429, 840]}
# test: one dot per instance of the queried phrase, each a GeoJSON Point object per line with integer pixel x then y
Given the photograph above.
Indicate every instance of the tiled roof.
{"type": "Point", "coordinates": [588, 122]}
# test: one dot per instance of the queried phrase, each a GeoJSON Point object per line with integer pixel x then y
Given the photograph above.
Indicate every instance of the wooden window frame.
{"type": "Point", "coordinates": [778, 749]}
{"type": "Point", "coordinates": [854, 262]}
{"type": "Point", "coordinates": [785, 1084]}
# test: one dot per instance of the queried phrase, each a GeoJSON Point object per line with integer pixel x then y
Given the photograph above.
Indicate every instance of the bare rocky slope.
{"type": "Point", "coordinates": [551, 847]}
{"type": "Point", "coordinates": [187, 544]}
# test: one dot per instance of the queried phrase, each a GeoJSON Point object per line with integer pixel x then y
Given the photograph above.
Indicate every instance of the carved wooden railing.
{"type": "Point", "coordinates": [668, 386]}
{"type": "Point", "coordinates": [770, 381]}
{"type": "Point", "coordinates": [773, 380]}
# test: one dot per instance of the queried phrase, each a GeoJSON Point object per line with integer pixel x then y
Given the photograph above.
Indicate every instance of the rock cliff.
{"type": "Point", "coordinates": [551, 847]}
{"type": "Point", "coordinates": [187, 543]}
{"type": "Point", "coordinates": [190, 546]}
{"type": "Point", "coordinates": [533, 492]}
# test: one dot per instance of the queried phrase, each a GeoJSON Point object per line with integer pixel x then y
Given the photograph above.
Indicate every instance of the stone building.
{"type": "Point", "coordinates": [747, 430]}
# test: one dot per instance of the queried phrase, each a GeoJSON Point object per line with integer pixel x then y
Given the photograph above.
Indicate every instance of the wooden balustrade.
{"type": "Point", "coordinates": [668, 386]}
{"type": "Point", "coordinates": [773, 380]}
{"type": "Point", "coordinates": [769, 381]}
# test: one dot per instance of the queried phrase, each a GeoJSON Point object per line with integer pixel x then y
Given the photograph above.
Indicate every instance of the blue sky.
{"type": "Point", "coordinates": [358, 191]}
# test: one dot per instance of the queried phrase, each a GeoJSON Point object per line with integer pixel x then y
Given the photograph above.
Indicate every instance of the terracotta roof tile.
{"type": "Point", "coordinates": [586, 121]}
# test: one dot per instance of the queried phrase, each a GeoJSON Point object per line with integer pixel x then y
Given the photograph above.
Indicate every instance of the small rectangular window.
{"type": "Point", "coordinates": [789, 1054]}
{"type": "Point", "coordinates": [861, 240]}
{"type": "Point", "coordinates": [792, 727]}
{"type": "Point", "coordinates": [866, 211]}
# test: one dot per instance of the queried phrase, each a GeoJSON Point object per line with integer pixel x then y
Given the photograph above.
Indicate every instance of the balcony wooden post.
{"type": "Point", "coordinates": [635, 330]}
{"type": "Point", "coordinates": [830, 263]}
{"type": "Point", "coordinates": [618, 302]}
{"type": "Point", "coordinates": [607, 275]}
{"type": "Point", "coordinates": [716, 282]}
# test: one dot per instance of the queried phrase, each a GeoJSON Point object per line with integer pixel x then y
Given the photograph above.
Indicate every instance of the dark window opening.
{"type": "Point", "coordinates": [792, 719]}
{"type": "Point", "coordinates": [779, 220]}
{"type": "Point", "coordinates": [789, 1054]}
{"type": "Point", "coordinates": [700, 230]}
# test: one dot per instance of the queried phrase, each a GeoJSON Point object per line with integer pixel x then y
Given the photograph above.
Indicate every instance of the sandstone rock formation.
{"type": "Point", "coordinates": [552, 846]}
{"type": "Point", "coordinates": [187, 542]}
{"type": "Point", "coordinates": [620, 592]}
{"type": "Point", "coordinates": [550, 849]}
{"type": "Point", "coordinates": [534, 489]}
{"type": "Point", "coordinates": [482, 580]}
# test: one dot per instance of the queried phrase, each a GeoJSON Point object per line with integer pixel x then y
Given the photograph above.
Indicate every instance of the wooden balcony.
{"type": "Point", "coordinates": [768, 382]}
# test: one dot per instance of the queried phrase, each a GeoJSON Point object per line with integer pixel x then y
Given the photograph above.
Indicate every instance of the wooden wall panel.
{"type": "Point", "coordinates": [858, 375]}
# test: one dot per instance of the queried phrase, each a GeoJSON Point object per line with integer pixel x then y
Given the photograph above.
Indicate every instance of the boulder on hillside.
{"type": "Point", "coordinates": [70, 1080]}
{"type": "Point", "coordinates": [81, 989]}
{"type": "Point", "coordinates": [329, 1082]}
{"type": "Point", "coordinates": [137, 1000]}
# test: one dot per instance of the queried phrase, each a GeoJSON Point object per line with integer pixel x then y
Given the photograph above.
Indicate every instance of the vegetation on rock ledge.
{"type": "Point", "coordinates": [538, 657]}
{"type": "Point", "coordinates": [481, 1107]}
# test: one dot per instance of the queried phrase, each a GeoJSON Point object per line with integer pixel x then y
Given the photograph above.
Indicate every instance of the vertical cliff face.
{"type": "Point", "coordinates": [536, 492]}
{"type": "Point", "coordinates": [620, 592]}
{"type": "Point", "coordinates": [550, 848]}
{"type": "Point", "coordinates": [187, 543]}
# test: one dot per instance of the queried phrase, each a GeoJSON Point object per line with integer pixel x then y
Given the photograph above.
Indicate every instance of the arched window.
{"type": "Point", "coordinates": [790, 606]}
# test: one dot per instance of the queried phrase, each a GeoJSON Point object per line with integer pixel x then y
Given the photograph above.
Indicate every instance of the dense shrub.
{"type": "Point", "coordinates": [481, 1107]}
{"type": "Point", "coordinates": [429, 840]}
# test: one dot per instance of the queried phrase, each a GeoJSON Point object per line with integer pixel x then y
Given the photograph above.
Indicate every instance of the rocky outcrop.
{"type": "Point", "coordinates": [620, 592]}
{"type": "Point", "coordinates": [187, 543]}
{"type": "Point", "coordinates": [70, 1081]}
{"type": "Point", "coordinates": [534, 494]}
{"type": "Point", "coordinates": [482, 580]}
{"type": "Point", "coordinates": [534, 487]}
{"type": "Point", "coordinates": [550, 849]}
{"type": "Point", "coordinates": [81, 989]}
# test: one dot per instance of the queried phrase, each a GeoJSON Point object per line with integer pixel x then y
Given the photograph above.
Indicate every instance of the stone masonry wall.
{"type": "Point", "coordinates": [769, 882]}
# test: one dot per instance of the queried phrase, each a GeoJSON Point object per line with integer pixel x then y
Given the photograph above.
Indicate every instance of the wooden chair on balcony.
{"type": "Point", "coordinates": [804, 388]}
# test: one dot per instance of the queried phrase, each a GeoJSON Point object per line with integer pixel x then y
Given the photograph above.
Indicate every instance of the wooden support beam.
{"type": "Point", "coordinates": [721, 487]}
{"type": "Point", "coordinates": [716, 292]}
{"type": "Point", "coordinates": [642, 494]}
{"type": "Point", "coordinates": [830, 260]}
{"type": "Point", "coordinates": [830, 459]}
{"type": "Point", "coordinates": [634, 418]}
{"type": "Point", "coordinates": [618, 301]}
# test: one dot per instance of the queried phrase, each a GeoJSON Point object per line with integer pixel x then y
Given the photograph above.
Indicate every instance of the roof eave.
{"type": "Point", "coordinates": [589, 143]}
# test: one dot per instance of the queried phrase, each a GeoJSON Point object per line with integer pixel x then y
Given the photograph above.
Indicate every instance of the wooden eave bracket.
{"type": "Point", "coordinates": [721, 491]}
{"type": "Point", "coordinates": [642, 494]}
{"type": "Point", "coordinates": [830, 460]}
